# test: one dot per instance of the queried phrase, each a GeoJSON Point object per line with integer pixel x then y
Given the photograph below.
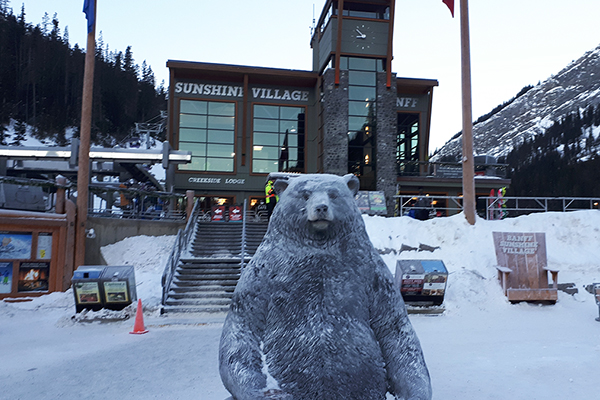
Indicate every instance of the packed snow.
{"type": "Point", "coordinates": [481, 347]}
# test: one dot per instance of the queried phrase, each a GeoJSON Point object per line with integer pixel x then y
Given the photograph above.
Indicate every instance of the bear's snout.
{"type": "Point", "coordinates": [319, 210]}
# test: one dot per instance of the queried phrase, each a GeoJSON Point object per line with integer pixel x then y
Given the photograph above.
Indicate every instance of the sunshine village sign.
{"type": "Point", "coordinates": [261, 93]}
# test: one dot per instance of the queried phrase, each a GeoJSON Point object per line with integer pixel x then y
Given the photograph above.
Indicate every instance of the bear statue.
{"type": "Point", "coordinates": [315, 314]}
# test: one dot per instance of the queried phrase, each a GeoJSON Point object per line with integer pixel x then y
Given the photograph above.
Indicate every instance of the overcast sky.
{"type": "Point", "coordinates": [514, 43]}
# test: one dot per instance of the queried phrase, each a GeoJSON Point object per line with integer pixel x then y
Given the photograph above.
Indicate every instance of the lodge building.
{"type": "Point", "coordinates": [350, 114]}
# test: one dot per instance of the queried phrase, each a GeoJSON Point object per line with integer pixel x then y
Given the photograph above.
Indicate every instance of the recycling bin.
{"type": "Point", "coordinates": [118, 286]}
{"type": "Point", "coordinates": [86, 288]}
{"type": "Point", "coordinates": [421, 282]}
{"type": "Point", "coordinates": [97, 287]}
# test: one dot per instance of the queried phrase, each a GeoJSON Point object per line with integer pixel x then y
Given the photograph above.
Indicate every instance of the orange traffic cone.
{"type": "Point", "coordinates": [138, 327]}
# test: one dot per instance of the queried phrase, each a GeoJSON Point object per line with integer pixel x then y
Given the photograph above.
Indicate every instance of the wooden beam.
{"type": "Point", "coordinates": [468, 166]}
{"type": "Point", "coordinates": [83, 172]}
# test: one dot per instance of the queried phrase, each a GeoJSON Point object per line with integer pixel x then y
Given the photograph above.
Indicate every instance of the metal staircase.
{"type": "Point", "coordinates": [203, 274]}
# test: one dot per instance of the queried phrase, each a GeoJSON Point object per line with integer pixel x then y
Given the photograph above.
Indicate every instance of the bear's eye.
{"type": "Point", "coordinates": [305, 194]}
{"type": "Point", "coordinates": [333, 194]}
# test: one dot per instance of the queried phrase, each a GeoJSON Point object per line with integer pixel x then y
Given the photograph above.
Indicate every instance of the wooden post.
{"type": "Point", "coordinates": [83, 173]}
{"type": "Point", "coordinates": [61, 182]}
{"type": "Point", "coordinates": [468, 166]}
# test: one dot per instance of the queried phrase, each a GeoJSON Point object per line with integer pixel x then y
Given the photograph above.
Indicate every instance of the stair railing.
{"type": "Point", "coordinates": [243, 261]}
{"type": "Point", "coordinates": [181, 242]}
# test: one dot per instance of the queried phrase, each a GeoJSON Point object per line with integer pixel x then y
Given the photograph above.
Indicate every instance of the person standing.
{"type": "Point", "coordinates": [271, 197]}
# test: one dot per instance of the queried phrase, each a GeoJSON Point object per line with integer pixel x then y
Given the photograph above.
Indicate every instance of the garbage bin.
{"type": "Point", "coordinates": [422, 282]}
{"type": "Point", "coordinates": [118, 286]}
{"type": "Point", "coordinates": [97, 287]}
{"type": "Point", "coordinates": [86, 288]}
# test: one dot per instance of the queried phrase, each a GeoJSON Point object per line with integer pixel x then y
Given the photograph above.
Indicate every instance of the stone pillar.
{"type": "Point", "coordinates": [335, 123]}
{"type": "Point", "coordinates": [387, 130]}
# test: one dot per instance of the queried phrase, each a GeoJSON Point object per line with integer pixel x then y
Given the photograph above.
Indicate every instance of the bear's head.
{"type": "Point", "coordinates": [316, 206]}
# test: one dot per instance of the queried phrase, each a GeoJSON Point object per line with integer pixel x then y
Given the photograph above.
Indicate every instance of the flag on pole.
{"type": "Point", "coordinates": [450, 4]}
{"type": "Point", "coordinates": [89, 8]}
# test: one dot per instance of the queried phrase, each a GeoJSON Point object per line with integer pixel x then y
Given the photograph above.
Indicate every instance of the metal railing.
{"type": "Point", "coordinates": [181, 243]}
{"type": "Point", "coordinates": [515, 206]}
{"type": "Point", "coordinates": [496, 207]}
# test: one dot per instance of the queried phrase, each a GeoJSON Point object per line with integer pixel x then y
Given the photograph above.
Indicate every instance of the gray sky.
{"type": "Point", "coordinates": [514, 43]}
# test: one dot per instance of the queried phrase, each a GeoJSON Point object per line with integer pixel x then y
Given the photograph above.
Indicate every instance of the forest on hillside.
{"type": "Point", "coordinates": [41, 83]}
{"type": "Point", "coordinates": [563, 161]}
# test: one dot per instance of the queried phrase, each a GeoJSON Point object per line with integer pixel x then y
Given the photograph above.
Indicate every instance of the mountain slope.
{"type": "Point", "coordinates": [574, 88]}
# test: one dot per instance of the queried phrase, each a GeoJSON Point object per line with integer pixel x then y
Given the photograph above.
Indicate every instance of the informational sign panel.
{"type": "Point", "coordinates": [87, 292]}
{"type": "Point", "coordinates": [372, 203]}
{"type": "Point", "coordinates": [218, 213]}
{"type": "Point", "coordinates": [33, 276]}
{"type": "Point", "coordinates": [116, 292]}
{"type": "Point", "coordinates": [6, 273]}
{"type": "Point", "coordinates": [44, 246]}
{"type": "Point", "coordinates": [15, 245]}
{"type": "Point", "coordinates": [235, 213]}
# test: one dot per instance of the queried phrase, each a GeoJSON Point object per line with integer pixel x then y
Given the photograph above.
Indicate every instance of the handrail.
{"type": "Point", "coordinates": [183, 236]}
{"type": "Point", "coordinates": [243, 261]}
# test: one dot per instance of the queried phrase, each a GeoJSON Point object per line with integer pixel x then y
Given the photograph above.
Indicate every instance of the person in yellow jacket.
{"type": "Point", "coordinates": [271, 199]}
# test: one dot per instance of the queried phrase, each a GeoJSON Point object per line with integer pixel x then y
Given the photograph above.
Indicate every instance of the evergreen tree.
{"type": "Point", "coordinates": [20, 133]}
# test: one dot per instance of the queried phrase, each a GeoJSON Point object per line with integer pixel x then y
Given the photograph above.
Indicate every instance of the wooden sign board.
{"type": "Point", "coordinates": [523, 265]}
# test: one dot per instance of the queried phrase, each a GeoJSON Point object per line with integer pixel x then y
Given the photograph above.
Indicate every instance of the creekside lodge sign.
{"type": "Point", "coordinates": [258, 93]}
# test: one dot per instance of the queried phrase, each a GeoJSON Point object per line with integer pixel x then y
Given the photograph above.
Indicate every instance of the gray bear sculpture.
{"type": "Point", "coordinates": [315, 315]}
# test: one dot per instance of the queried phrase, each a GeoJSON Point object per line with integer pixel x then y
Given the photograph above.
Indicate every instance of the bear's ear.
{"type": "Point", "coordinates": [280, 185]}
{"type": "Point", "coordinates": [352, 182]}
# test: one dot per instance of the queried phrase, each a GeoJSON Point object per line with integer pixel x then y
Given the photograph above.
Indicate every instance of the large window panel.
{"type": "Point", "coordinates": [221, 136]}
{"type": "Point", "coordinates": [194, 107]}
{"type": "Point", "coordinates": [192, 135]}
{"type": "Point", "coordinates": [192, 121]}
{"type": "Point", "coordinates": [207, 129]}
{"type": "Point", "coordinates": [278, 139]}
{"type": "Point", "coordinates": [266, 139]}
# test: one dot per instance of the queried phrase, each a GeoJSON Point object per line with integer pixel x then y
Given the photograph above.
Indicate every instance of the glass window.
{"type": "Point", "coordinates": [363, 64]}
{"type": "Point", "coordinates": [278, 139]}
{"type": "Point", "coordinates": [362, 78]}
{"type": "Point", "coordinates": [197, 149]}
{"type": "Point", "coordinates": [291, 113]}
{"type": "Point", "coordinates": [192, 121]}
{"type": "Point", "coordinates": [364, 108]}
{"type": "Point", "coordinates": [361, 93]}
{"type": "Point", "coordinates": [220, 137]}
{"type": "Point", "coordinates": [219, 164]}
{"type": "Point", "coordinates": [266, 139]}
{"type": "Point", "coordinates": [192, 135]}
{"type": "Point", "coordinates": [266, 125]}
{"type": "Point", "coordinates": [266, 112]}
{"type": "Point", "coordinates": [193, 107]}
{"type": "Point", "coordinates": [219, 108]}
{"type": "Point", "coordinates": [207, 129]}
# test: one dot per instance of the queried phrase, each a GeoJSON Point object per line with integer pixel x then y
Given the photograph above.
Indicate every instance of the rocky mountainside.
{"type": "Point", "coordinates": [574, 88]}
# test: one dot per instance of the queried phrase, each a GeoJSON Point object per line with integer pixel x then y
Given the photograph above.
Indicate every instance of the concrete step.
{"type": "Point", "coordinates": [195, 309]}
{"type": "Point", "coordinates": [199, 302]}
{"type": "Point", "coordinates": [209, 287]}
{"type": "Point", "coordinates": [208, 271]}
{"type": "Point", "coordinates": [184, 283]}
{"type": "Point", "coordinates": [201, 295]}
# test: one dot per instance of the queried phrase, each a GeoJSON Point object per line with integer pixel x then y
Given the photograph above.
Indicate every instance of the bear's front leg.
{"type": "Point", "coordinates": [407, 374]}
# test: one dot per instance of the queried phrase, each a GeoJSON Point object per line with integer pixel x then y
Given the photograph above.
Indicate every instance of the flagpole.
{"type": "Point", "coordinates": [83, 173]}
{"type": "Point", "coordinates": [468, 166]}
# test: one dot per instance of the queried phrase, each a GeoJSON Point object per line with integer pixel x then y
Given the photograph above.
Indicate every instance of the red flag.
{"type": "Point", "coordinates": [450, 4]}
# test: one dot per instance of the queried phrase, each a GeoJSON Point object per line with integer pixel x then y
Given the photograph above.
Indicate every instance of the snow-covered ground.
{"type": "Point", "coordinates": [482, 347]}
